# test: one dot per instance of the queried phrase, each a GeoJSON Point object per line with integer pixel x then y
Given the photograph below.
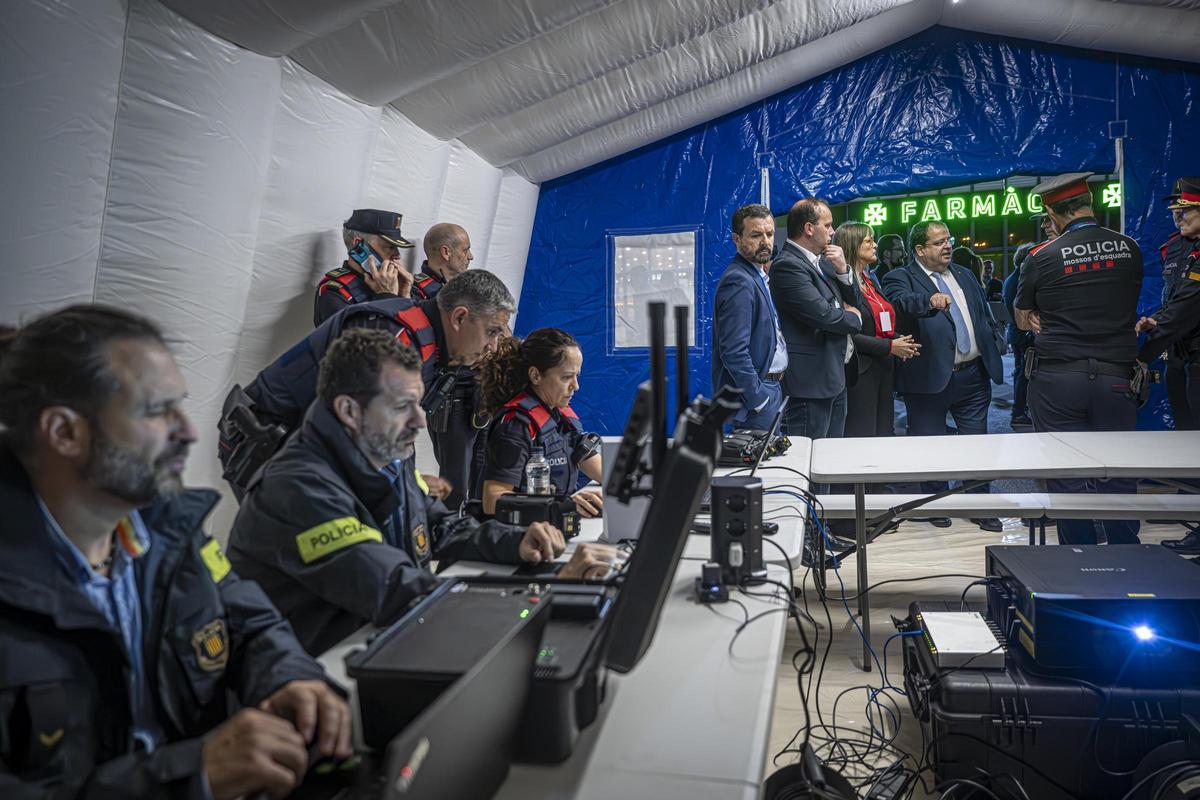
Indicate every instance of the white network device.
{"type": "Point", "coordinates": [961, 638]}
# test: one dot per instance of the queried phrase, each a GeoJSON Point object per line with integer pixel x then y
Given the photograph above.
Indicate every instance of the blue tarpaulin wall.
{"type": "Point", "coordinates": [940, 109]}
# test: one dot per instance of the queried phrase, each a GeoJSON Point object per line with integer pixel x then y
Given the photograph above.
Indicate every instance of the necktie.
{"type": "Point", "coordinates": [962, 340]}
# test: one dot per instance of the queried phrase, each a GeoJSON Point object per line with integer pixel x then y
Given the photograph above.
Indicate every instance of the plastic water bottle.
{"type": "Point", "coordinates": [537, 473]}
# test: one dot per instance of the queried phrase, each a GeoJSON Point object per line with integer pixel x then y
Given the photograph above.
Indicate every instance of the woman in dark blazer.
{"type": "Point", "coordinates": [869, 408]}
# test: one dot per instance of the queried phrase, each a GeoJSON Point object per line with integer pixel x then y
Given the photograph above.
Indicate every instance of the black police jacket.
{"type": "Point", "coordinates": [521, 424]}
{"type": "Point", "coordinates": [1179, 319]}
{"type": "Point", "coordinates": [283, 390]}
{"type": "Point", "coordinates": [317, 531]}
{"type": "Point", "coordinates": [210, 638]}
{"type": "Point", "coordinates": [339, 288]}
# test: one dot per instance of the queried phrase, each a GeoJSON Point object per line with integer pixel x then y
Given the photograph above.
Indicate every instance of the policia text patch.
{"type": "Point", "coordinates": [329, 537]}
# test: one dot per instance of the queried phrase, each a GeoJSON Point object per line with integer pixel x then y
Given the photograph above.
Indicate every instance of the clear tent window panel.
{"type": "Point", "coordinates": [647, 268]}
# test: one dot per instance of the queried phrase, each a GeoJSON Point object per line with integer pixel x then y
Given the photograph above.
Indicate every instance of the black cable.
{"type": "Point", "coordinates": [962, 600]}
{"type": "Point", "coordinates": [1178, 764]}
{"type": "Point", "coordinates": [873, 586]}
{"type": "Point", "coordinates": [956, 782]}
{"type": "Point", "coordinates": [1005, 753]}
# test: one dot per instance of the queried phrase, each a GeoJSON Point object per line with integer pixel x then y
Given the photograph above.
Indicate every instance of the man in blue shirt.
{"type": "Point", "coordinates": [126, 635]}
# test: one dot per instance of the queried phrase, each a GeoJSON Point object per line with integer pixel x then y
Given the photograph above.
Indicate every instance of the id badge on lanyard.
{"type": "Point", "coordinates": [885, 322]}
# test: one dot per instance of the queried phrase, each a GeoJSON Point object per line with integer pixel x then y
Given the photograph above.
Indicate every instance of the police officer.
{"type": "Point", "coordinates": [339, 529]}
{"type": "Point", "coordinates": [1176, 325]}
{"type": "Point", "coordinates": [372, 269]}
{"type": "Point", "coordinates": [450, 333]}
{"type": "Point", "coordinates": [1078, 293]}
{"type": "Point", "coordinates": [527, 389]}
{"type": "Point", "coordinates": [1174, 253]}
{"type": "Point", "coordinates": [447, 253]}
{"type": "Point", "coordinates": [125, 634]}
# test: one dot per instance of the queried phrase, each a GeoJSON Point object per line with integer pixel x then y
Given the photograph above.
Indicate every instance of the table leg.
{"type": "Point", "coordinates": [860, 538]}
{"type": "Point", "coordinates": [1032, 531]}
{"type": "Point", "coordinates": [1042, 530]}
{"type": "Point", "coordinates": [819, 573]}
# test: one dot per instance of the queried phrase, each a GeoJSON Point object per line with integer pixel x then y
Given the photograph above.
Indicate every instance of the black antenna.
{"type": "Point", "coordinates": [681, 360]}
{"type": "Point", "coordinates": [658, 384]}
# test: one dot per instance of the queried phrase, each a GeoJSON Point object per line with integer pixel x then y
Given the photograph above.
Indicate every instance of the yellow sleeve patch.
{"type": "Point", "coordinates": [329, 537]}
{"type": "Point", "coordinates": [214, 558]}
{"type": "Point", "coordinates": [1193, 276]}
{"type": "Point", "coordinates": [421, 481]}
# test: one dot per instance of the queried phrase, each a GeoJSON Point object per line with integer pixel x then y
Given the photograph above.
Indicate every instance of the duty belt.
{"type": "Point", "coordinates": [1089, 366]}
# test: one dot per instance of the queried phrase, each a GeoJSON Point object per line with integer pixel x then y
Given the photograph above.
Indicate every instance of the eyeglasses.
{"type": "Point", "coordinates": [938, 244]}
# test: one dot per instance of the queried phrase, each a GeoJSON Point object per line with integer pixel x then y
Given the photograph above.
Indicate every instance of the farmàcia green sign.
{"type": "Point", "coordinates": [977, 205]}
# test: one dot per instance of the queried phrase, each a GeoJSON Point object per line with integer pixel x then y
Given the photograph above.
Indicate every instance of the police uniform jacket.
{"type": "Point", "coordinates": [1085, 286]}
{"type": "Point", "coordinates": [283, 390]}
{"type": "Point", "coordinates": [319, 531]}
{"type": "Point", "coordinates": [427, 283]}
{"type": "Point", "coordinates": [1174, 253]}
{"type": "Point", "coordinates": [340, 288]}
{"type": "Point", "coordinates": [522, 424]}
{"type": "Point", "coordinates": [65, 718]}
{"type": "Point", "coordinates": [1179, 319]}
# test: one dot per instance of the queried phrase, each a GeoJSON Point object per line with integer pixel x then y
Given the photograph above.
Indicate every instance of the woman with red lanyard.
{"type": "Point", "coordinates": [869, 407]}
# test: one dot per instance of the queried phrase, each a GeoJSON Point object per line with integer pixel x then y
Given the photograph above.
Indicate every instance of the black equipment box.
{"type": "Point", "coordinates": [1128, 610]}
{"type": "Point", "coordinates": [408, 665]}
{"type": "Point", "coordinates": [1071, 730]}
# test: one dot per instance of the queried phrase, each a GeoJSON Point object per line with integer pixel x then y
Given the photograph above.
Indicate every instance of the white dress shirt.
{"type": "Point", "coordinates": [960, 299]}
{"type": "Point", "coordinates": [845, 277]}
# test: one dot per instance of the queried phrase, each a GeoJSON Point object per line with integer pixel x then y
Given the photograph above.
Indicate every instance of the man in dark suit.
{"type": "Point", "coordinates": [748, 349]}
{"type": "Point", "coordinates": [816, 297]}
{"type": "Point", "coordinates": [943, 307]}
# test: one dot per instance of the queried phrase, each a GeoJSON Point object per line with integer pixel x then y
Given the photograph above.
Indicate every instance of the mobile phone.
{"type": "Point", "coordinates": [363, 253]}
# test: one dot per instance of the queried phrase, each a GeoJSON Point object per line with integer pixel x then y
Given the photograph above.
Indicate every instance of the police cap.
{"type": "Point", "coordinates": [1063, 187]}
{"type": "Point", "coordinates": [1187, 193]}
{"type": "Point", "coordinates": [385, 224]}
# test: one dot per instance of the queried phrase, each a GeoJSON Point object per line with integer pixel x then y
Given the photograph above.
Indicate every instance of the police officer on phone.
{"type": "Point", "coordinates": [1078, 293]}
{"type": "Point", "coordinates": [372, 269]}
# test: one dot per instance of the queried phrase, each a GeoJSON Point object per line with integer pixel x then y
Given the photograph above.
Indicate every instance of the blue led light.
{"type": "Point", "coordinates": [1143, 633]}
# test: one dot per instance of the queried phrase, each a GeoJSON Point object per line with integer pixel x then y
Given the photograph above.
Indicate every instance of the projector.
{"type": "Point", "coordinates": [1127, 609]}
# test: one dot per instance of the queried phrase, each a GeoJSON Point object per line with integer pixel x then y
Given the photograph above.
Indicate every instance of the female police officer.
{"type": "Point", "coordinates": [527, 388]}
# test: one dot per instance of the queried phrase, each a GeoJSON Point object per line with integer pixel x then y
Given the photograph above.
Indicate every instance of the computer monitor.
{"type": "Point", "coordinates": [462, 744]}
{"type": "Point", "coordinates": [628, 464]}
{"type": "Point", "coordinates": [680, 482]}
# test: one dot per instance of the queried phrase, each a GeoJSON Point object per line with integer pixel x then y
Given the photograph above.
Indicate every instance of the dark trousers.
{"type": "Point", "coordinates": [869, 407]}
{"type": "Point", "coordinates": [817, 419]}
{"type": "Point", "coordinates": [966, 398]}
{"type": "Point", "coordinates": [1181, 400]}
{"type": "Point", "coordinates": [1020, 407]}
{"type": "Point", "coordinates": [1080, 401]}
{"type": "Point", "coordinates": [823, 418]}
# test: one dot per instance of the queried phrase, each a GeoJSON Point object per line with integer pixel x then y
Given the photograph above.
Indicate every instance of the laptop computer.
{"type": "Point", "coordinates": [621, 522]}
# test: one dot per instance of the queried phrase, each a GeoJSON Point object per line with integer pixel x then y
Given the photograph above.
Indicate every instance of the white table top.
{"type": "Point", "coordinates": [940, 458]}
{"type": "Point", "coordinates": [1140, 454]}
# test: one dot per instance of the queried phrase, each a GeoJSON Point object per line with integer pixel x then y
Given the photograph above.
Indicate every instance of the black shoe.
{"type": "Point", "coordinates": [1187, 546]}
{"type": "Point", "coordinates": [937, 522]}
{"type": "Point", "coordinates": [1022, 421]}
{"type": "Point", "coordinates": [989, 524]}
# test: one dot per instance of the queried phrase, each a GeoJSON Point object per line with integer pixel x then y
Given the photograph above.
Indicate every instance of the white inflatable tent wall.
{"type": "Point", "coordinates": [156, 166]}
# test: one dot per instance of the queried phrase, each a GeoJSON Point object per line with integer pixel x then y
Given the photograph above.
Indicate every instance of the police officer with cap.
{"type": "Point", "coordinates": [372, 269]}
{"type": "Point", "coordinates": [1174, 253]}
{"type": "Point", "coordinates": [1078, 293]}
{"type": "Point", "coordinates": [1176, 325]}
